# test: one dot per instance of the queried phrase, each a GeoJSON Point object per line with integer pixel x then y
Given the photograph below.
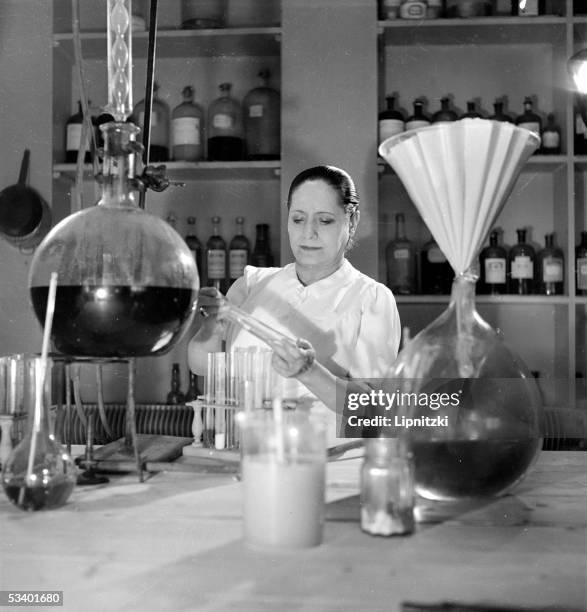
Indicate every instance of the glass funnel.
{"type": "Point", "coordinates": [471, 415]}
{"type": "Point", "coordinates": [127, 281]}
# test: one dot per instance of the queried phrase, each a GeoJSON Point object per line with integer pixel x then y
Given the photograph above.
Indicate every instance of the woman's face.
{"type": "Point", "coordinates": [317, 225]}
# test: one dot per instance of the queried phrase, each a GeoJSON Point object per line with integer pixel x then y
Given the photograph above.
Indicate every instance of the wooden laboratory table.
{"type": "Point", "coordinates": [174, 543]}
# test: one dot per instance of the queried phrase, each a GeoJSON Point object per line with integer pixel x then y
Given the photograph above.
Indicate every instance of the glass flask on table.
{"type": "Point", "coordinates": [475, 407]}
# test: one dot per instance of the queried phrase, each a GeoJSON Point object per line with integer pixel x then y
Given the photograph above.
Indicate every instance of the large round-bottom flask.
{"type": "Point", "coordinates": [127, 282]}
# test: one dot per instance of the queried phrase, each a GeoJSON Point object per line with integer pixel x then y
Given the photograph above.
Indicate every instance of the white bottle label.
{"type": "Point", "coordinates": [495, 270]}
{"type": "Point", "coordinates": [237, 260]}
{"type": "Point", "coordinates": [186, 131]}
{"type": "Point", "coordinates": [154, 119]}
{"type": "Point", "coordinates": [522, 267]}
{"type": "Point", "coordinates": [401, 254]}
{"type": "Point", "coordinates": [550, 140]}
{"type": "Point", "coordinates": [256, 110]}
{"type": "Point", "coordinates": [533, 126]}
{"type": "Point", "coordinates": [74, 137]}
{"type": "Point", "coordinates": [216, 264]}
{"type": "Point", "coordinates": [582, 273]}
{"type": "Point", "coordinates": [222, 121]}
{"type": "Point", "coordinates": [412, 125]}
{"type": "Point", "coordinates": [435, 255]}
{"type": "Point", "coordinates": [552, 271]}
{"type": "Point", "coordinates": [390, 127]}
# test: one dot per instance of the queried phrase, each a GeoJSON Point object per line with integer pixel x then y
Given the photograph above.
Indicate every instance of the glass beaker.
{"type": "Point", "coordinates": [39, 474]}
{"type": "Point", "coordinates": [127, 280]}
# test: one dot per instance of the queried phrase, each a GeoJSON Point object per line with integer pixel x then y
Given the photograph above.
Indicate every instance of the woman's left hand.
{"type": "Point", "coordinates": [291, 358]}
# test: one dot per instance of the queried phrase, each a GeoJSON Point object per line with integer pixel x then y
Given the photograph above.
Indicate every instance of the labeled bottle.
{"type": "Point", "coordinates": [387, 489]}
{"type": "Point", "coordinates": [445, 113]}
{"type": "Point", "coordinates": [493, 267]}
{"type": "Point", "coordinates": [391, 121]}
{"type": "Point", "coordinates": [389, 9]}
{"type": "Point", "coordinates": [400, 256]}
{"type": "Point", "coordinates": [225, 127]}
{"type": "Point", "coordinates": [413, 9]}
{"type": "Point", "coordinates": [498, 113]}
{"type": "Point", "coordinates": [472, 112]}
{"type": "Point", "coordinates": [203, 13]}
{"type": "Point", "coordinates": [526, 8]}
{"type": "Point", "coordinates": [194, 245]}
{"type": "Point", "coordinates": [216, 258]}
{"type": "Point", "coordinates": [581, 265]}
{"type": "Point", "coordinates": [159, 128]}
{"type": "Point", "coordinates": [187, 128]}
{"type": "Point", "coordinates": [550, 137]}
{"type": "Point", "coordinates": [437, 273]}
{"type": "Point", "coordinates": [175, 395]}
{"type": "Point", "coordinates": [529, 119]}
{"type": "Point", "coordinates": [238, 252]}
{"type": "Point", "coordinates": [262, 256]}
{"type": "Point", "coordinates": [193, 391]}
{"type": "Point", "coordinates": [262, 117]}
{"type": "Point", "coordinates": [521, 259]}
{"type": "Point", "coordinates": [418, 118]}
{"type": "Point", "coordinates": [73, 138]}
{"type": "Point", "coordinates": [550, 265]}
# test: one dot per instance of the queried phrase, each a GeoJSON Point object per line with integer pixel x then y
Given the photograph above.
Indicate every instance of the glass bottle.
{"type": "Point", "coordinates": [238, 252]}
{"type": "Point", "coordinates": [225, 127]}
{"type": "Point", "coordinates": [551, 137]}
{"type": "Point", "coordinates": [262, 117]}
{"type": "Point", "coordinates": [73, 138]}
{"type": "Point", "coordinates": [159, 134]}
{"type": "Point", "coordinates": [216, 258]}
{"type": "Point", "coordinates": [38, 474]}
{"type": "Point", "coordinates": [387, 489]}
{"type": "Point", "coordinates": [437, 273]}
{"type": "Point", "coordinates": [391, 121]}
{"type": "Point", "coordinates": [203, 13]}
{"type": "Point", "coordinates": [498, 114]}
{"type": "Point", "coordinates": [581, 265]}
{"type": "Point", "coordinates": [521, 260]}
{"type": "Point", "coordinates": [550, 264]}
{"type": "Point", "coordinates": [175, 395]}
{"type": "Point", "coordinates": [529, 119]}
{"type": "Point", "coordinates": [187, 128]}
{"type": "Point", "coordinates": [262, 256]}
{"type": "Point", "coordinates": [400, 256]}
{"type": "Point", "coordinates": [127, 283]}
{"type": "Point", "coordinates": [418, 118]}
{"type": "Point", "coordinates": [445, 113]}
{"type": "Point", "coordinates": [493, 267]}
{"type": "Point", "coordinates": [472, 112]}
{"type": "Point", "coordinates": [193, 391]}
{"type": "Point", "coordinates": [194, 244]}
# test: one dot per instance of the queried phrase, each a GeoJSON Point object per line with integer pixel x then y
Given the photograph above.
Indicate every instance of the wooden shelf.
{"type": "Point", "coordinates": [523, 300]}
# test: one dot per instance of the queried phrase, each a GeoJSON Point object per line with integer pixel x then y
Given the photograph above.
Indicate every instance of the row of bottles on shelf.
{"type": "Point", "coordinates": [219, 264]}
{"type": "Point", "coordinates": [176, 396]}
{"type": "Point", "coordinates": [229, 131]}
{"type": "Point", "coordinates": [434, 9]}
{"type": "Point", "coordinates": [521, 270]}
{"type": "Point", "coordinates": [393, 120]}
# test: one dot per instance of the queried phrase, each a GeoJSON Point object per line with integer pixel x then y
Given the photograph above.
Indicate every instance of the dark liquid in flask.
{"type": "Point", "coordinates": [446, 470]}
{"type": "Point", "coordinates": [116, 320]}
{"type": "Point", "coordinates": [226, 148]}
{"type": "Point", "coordinates": [53, 495]}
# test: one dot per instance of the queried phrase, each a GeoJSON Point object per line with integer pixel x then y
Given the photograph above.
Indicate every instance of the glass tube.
{"type": "Point", "coordinates": [119, 59]}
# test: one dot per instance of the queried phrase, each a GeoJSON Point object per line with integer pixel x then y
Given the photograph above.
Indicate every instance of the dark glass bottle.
{"type": "Point", "coordinates": [550, 265]}
{"type": "Point", "coordinates": [216, 258]}
{"type": "Point", "coordinates": [239, 251]}
{"type": "Point", "coordinates": [391, 121]}
{"type": "Point", "coordinates": [581, 265]}
{"type": "Point", "coordinates": [493, 267]}
{"type": "Point", "coordinates": [73, 138]}
{"type": "Point", "coordinates": [262, 117]}
{"type": "Point", "coordinates": [225, 127]}
{"type": "Point", "coordinates": [529, 119]}
{"type": "Point", "coordinates": [521, 260]}
{"type": "Point", "coordinates": [551, 137]}
{"type": "Point", "coordinates": [437, 273]}
{"type": "Point", "coordinates": [193, 390]}
{"type": "Point", "coordinates": [419, 118]}
{"type": "Point", "coordinates": [498, 114]}
{"type": "Point", "coordinates": [195, 245]}
{"type": "Point", "coordinates": [445, 113]}
{"type": "Point", "coordinates": [262, 256]}
{"type": "Point", "coordinates": [580, 137]}
{"type": "Point", "coordinates": [175, 395]}
{"type": "Point", "coordinates": [401, 260]}
{"type": "Point", "coordinates": [472, 112]}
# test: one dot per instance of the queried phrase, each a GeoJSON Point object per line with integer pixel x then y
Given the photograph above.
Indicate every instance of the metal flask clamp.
{"type": "Point", "coordinates": [472, 411]}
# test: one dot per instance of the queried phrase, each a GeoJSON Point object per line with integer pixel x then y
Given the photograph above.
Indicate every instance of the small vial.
{"type": "Point", "coordinates": [387, 489]}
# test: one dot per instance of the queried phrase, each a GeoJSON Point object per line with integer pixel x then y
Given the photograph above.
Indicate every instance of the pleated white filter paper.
{"type": "Point", "coordinates": [459, 175]}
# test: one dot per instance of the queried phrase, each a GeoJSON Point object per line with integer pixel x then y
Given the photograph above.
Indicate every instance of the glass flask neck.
{"type": "Point", "coordinates": [118, 170]}
{"type": "Point", "coordinates": [462, 300]}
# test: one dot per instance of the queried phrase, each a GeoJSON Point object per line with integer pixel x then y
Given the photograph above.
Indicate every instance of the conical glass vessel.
{"type": "Point", "coordinates": [127, 281]}
{"type": "Point", "coordinates": [471, 411]}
